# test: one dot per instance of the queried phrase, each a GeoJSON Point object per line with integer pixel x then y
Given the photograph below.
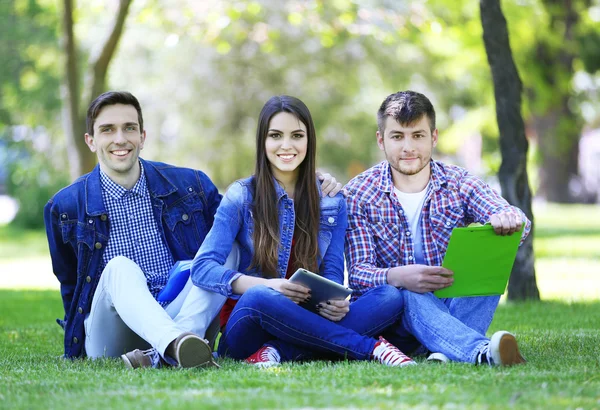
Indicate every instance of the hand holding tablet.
{"type": "Point", "coordinates": [322, 289]}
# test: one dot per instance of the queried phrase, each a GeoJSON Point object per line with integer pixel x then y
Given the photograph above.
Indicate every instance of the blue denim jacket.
{"type": "Point", "coordinates": [77, 225]}
{"type": "Point", "coordinates": [233, 222]}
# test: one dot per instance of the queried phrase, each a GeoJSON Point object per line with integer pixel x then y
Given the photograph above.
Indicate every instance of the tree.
{"type": "Point", "coordinates": [81, 158]}
{"type": "Point", "coordinates": [513, 143]}
{"type": "Point", "coordinates": [555, 120]}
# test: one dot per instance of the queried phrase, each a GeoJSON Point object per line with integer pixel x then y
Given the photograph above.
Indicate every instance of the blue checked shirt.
{"type": "Point", "coordinates": [379, 237]}
{"type": "Point", "coordinates": [133, 231]}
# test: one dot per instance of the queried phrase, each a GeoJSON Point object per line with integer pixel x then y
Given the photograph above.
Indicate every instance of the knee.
{"type": "Point", "coordinates": [258, 296]}
{"type": "Point", "coordinates": [390, 296]}
{"type": "Point", "coordinates": [119, 264]}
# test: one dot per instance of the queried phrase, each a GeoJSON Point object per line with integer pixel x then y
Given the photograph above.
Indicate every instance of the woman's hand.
{"type": "Point", "coordinates": [297, 293]}
{"type": "Point", "coordinates": [334, 310]}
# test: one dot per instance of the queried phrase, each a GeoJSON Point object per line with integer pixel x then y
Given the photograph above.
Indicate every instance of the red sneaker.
{"type": "Point", "coordinates": [388, 354]}
{"type": "Point", "coordinates": [266, 356]}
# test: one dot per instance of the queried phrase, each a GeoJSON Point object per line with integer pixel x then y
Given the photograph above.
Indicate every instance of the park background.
{"type": "Point", "coordinates": [203, 69]}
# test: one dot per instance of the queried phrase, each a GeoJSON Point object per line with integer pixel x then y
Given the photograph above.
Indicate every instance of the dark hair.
{"type": "Point", "coordinates": [406, 107]}
{"type": "Point", "coordinates": [306, 196]}
{"type": "Point", "coordinates": [111, 98]}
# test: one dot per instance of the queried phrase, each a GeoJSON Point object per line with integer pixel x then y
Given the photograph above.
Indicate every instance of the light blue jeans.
{"type": "Point", "coordinates": [455, 327]}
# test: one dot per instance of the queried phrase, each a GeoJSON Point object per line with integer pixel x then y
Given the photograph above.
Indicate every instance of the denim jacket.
{"type": "Point", "coordinates": [77, 225]}
{"type": "Point", "coordinates": [233, 222]}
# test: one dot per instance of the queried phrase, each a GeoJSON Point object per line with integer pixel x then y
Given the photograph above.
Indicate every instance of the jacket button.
{"type": "Point", "coordinates": [75, 340]}
{"type": "Point", "coordinates": [103, 217]}
{"type": "Point", "coordinates": [80, 309]}
{"type": "Point", "coordinates": [185, 217]}
{"type": "Point", "coordinates": [88, 279]}
{"type": "Point", "coordinates": [98, 245]}
{"type": "Point", "coordinates": [64, 216]}
{"type": "Point", "coordinates": [331, 220]}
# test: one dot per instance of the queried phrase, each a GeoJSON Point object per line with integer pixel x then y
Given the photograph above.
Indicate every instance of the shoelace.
{"type": "Point", "coordinates": [484, 357]}
{"type": "Point", "coordinates": [392, 356]}
{"type": "Point", "coordinates": [155, 358]}
{"type": "Point", "coordinates": [269, 354]}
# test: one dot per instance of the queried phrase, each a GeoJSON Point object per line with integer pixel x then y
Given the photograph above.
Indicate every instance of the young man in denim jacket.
{"type": "Point", "coordinates": [401, 213]}
{"type": "Point", "coordinates": [115, 233]}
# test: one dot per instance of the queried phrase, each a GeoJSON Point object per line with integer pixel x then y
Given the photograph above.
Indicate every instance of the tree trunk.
{"type": "Point", "coordinates": [558, 127]}
{"type": "Point", "coordinates": [81, 159]}
{"type": "Point", "coordinates": [78, 152]}
{"type": "Point", "coordinates": [513, 143]}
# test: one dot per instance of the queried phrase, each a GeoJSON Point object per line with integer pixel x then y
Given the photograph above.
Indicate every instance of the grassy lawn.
{"type": "Point", "coordinates": [560, 341]}
{"type": "Point", "coordinates": [560, 338]}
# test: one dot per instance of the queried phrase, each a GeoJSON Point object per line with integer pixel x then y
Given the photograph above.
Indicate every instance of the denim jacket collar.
{"type": "Point", "coordinates": [158, 185]}
{"type": "Point", "coordinates": [437, 178]}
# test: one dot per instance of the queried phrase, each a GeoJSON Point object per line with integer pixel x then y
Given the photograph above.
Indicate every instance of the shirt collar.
{"type": "Point", "coordinates": [117, 191]}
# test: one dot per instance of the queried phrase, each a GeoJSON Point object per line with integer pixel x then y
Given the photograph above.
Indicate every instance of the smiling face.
{"type": "Point", "coordinates": [408, 147]}
{"type": "Point", "coordinates": [286, 145]}
{"type": "Point", "coordinates": [117, 141]}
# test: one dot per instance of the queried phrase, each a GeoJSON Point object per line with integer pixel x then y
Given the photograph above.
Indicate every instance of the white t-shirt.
{"type": "Point", "coordinates": [412, 204]}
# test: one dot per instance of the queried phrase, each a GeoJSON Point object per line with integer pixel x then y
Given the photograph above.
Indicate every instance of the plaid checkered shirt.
{"type": "Point", "coordinates": [378, 236]}
{"type": "Point", "coordinates": [134, 232]}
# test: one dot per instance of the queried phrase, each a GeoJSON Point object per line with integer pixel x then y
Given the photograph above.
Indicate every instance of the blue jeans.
{"type": "Point", "coordinates": [265, 316]}
{"type": "Point", "coordinates": [455, 327]}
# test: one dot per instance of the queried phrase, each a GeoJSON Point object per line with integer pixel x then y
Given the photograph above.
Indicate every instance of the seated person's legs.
{"type": "Point", "coordinates": [376, 310]}
{"type": "Point", "coordinates": [122, 299]}
{"type": "Point", "coordinates": [430, 321]}
{"type": "Point", "coordinates": [475, 312]}
{"type": "Point", "coordinates": [264, 316]}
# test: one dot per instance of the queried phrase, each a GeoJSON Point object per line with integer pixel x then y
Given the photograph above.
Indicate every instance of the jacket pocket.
{"type": "Point", "coordinates": [81, 238]}
{"type": "Point", "coordinates": [185, 219]}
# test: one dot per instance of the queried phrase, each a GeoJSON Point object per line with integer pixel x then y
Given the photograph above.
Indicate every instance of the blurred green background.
{"type": "Point", "coordinates": [203, 69]}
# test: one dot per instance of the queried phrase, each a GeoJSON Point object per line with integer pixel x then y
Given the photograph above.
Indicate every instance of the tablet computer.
{"type": "Point", "coordinates": [322, 289]}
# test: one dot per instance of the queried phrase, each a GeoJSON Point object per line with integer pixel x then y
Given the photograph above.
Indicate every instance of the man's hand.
{"type": "Point", "coordinates": [334, 310]}
{"type": "Point", "coordinates": [297, 293]}
{"type": "Point", "coordinates": [506, 223]}
{"type": "Point", "coordinates": [420, 278]}
{"type": "Point", "coordinates": [329, 185]}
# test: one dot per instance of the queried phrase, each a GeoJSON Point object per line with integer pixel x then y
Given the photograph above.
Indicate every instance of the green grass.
{"type": "Point", "coordinates": [16, 243]}
{"type": "Point", "coordinates": [560, 341]}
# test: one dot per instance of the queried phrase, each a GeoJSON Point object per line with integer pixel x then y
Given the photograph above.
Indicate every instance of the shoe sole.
{"type": "Point", "coordinates": [439, 358]}
{"type": "Point", "coordinates": [128, 363]}
{"type": "Point", "coordinates": [194, 352]}
{"type": "Point", "coordinates": [508, 349]}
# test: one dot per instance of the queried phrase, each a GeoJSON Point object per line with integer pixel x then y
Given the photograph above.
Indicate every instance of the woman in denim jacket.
{"type": "Point", "coordinates": [280, 223]}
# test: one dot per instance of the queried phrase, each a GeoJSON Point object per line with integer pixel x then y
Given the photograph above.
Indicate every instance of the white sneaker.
{"type": "Point", "coordinates": [388, 354]}
{"type": "Point", "coordinates": [502, 350]}
{"type": "Point", "coordinates": [438, 358]}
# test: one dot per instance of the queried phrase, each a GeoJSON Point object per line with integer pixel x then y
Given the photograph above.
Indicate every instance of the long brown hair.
{"type": "Point", "coordinates": [306, 196]}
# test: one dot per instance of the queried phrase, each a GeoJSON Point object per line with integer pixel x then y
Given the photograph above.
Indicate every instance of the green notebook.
{"type": "Point", "coordinates": [481, 261]}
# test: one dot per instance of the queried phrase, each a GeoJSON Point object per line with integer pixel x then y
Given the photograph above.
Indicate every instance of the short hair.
{"type": "Point", "coordinates": [406, 107]}
{"type": "Point", "coordinates": [111, 98]}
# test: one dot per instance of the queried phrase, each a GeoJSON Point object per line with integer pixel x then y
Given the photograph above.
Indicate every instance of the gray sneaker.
{"type": "Point", "coordinates": [190, 350]}
{"type": "Point", "coordinates": [142, 358]}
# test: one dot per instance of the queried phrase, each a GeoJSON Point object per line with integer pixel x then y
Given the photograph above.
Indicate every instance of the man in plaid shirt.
{"type": "Point", "coordinates": [401, 213]}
